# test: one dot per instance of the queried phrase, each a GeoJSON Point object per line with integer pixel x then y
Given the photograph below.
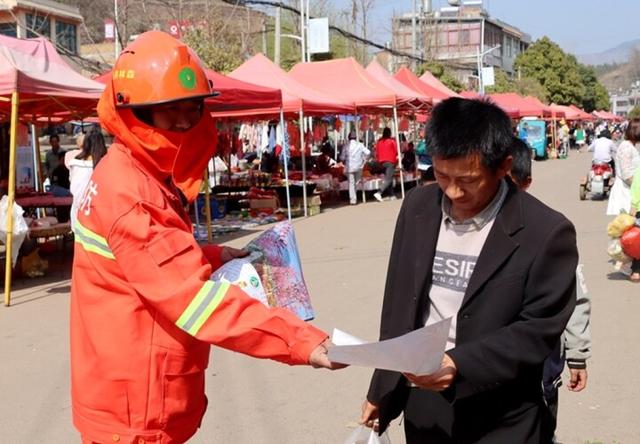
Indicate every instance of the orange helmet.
{"type": "Point", "coordinates": [155, 69]}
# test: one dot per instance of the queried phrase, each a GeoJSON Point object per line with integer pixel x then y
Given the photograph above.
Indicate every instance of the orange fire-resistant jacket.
{"type": "Point", "coordinates": [143, 310]}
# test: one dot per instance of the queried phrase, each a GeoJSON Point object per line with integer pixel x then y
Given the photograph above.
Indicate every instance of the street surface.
{"type": "Point", "coordinates": [344, 253]}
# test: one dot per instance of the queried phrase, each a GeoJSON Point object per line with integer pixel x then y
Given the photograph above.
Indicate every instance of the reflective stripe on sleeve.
{"type": "Point", "coordinates": [202, 306]}
{"type": "Point", "coordinates": [92, 242]}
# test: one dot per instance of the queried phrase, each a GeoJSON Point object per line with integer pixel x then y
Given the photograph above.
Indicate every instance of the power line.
{"type": "Point", "coordinates": [344, 33]}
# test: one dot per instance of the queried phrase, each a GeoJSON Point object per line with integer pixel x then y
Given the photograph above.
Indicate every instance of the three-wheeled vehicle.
{"type": "Point", "coordinates": [533, 131]}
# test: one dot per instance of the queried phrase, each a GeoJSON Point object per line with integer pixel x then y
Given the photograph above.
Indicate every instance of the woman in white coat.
{"type": "Point", "coordinates": [627, 159]}
{"type": "Point", "coordinates": [81, 167]}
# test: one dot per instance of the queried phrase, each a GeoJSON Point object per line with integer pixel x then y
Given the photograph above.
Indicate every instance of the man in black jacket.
{"type": "Point", "coordinates": [498, 262]}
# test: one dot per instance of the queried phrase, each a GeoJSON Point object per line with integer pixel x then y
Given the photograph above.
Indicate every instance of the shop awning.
{"type": "Point", "coordinates": [47, 85]}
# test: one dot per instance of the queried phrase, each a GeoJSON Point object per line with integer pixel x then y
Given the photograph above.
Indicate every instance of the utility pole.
{"type": "Point", "coordinates": [354, 22]}
{"type": "Point", "coordinates": [116, 33]}
{"type": "Point", "coordinates": [276, 43]}
{"type": "Point", "coordinates": [414, 31]}
{"type": "Point", "coordinates": [264, 37]}
{"type": "Point", "coordinates": [303, 41]}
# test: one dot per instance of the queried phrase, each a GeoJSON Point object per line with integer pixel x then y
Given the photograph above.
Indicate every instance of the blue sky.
{"type": "Point", "coordinates": [580, 27]}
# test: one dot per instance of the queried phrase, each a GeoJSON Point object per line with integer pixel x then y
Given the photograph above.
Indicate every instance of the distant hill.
{"type": "Point", "coordinates": [618, 54]}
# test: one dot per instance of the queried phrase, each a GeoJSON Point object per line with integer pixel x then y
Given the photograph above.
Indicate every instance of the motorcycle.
{"type": "Point", "coordinates": [597, 182]}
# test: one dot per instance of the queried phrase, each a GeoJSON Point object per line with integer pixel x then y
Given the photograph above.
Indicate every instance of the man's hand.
{"type": "Point", "coordinates": [370, 415]}
{"type": "Point", "coordinates": [318, 357]}
{"type": "Point", "coordinates": [228, 254]}
{"type": "Point", "coordinates": [578, 380]}
{"type": "Point", "coordinates": [439, 380]}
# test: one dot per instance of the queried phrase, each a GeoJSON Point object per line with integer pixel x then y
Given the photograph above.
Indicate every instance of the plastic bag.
{"type": "Point", "coordinates": [615, 251]}
{"type": "Point", "coordinates": [364, 435]}
{"type": "Point", "coordinates": [620, 224]}
{"type": "Point", "coordinates": [20, 228]}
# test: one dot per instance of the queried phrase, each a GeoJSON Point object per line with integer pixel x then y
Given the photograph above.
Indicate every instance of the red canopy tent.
{"type": "Point", "coordinates": [525, 108]}
{"type": "Point", "coordinates": [47, 85]}
{"type": "Point", "coordinates": [408, 78]}
{"type": "Point", "coordinates": [510, 110]}
{"type": "Point", "coordinates": [434, 82]}
{"type": "Point", "coordinates": [347, 78]}
{"type": "Point", "coordinates": [569, 113]}
{"type": "Point", "coordinates": [583, 114]}
{"type": "Point", "coordinates": [549, 110]}
{"type": "Point", "coordinates": [469, 94]}
{"type": "Point", "coordinates": [234, 94]}
{"type": "Point", "coordinates": [606, 115]}
{"type": "Point", "coordinates": [296, 96]}
{"type": "Point", "coordinates": [418, 100]}
{"type": "Point", "coordinates": [36, 83]}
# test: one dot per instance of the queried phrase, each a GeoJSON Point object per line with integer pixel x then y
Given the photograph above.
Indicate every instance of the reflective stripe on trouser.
{"type": "Point", "coordinates": [202, 306]}
{"type": "Point", "coordinates": [92, 242]}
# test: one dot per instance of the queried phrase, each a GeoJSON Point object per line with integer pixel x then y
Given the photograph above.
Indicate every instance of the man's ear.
{"type": "Point", "coordinates": [505, 166]}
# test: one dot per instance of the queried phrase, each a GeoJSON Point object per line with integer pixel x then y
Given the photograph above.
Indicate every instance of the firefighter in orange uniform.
{"type": "Point", "coordinates": [143, 310]}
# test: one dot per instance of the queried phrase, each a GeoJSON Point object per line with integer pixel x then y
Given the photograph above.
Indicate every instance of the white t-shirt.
{"type": "Point", "coordinates": [459, 246]}
{"type": "Point", "coordinates": [355, 156]}
{"type": "Point", "coordinates": [603, 150]}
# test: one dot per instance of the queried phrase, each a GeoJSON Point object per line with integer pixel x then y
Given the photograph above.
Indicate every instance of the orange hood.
{"type": "Point", "coordinates": [182, 156]}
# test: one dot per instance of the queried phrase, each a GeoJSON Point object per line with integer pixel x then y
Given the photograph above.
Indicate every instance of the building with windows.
{"type": "Point", "coordinates": [622, 102]}
{"type": "Point", "coordinates": [455, 35]}
{"type": "Point", "coordinates": [33, 18]}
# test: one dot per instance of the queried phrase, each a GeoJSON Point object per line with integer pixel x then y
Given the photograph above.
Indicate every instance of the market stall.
{"type": "Point", "coordinates": [36, 84]}
{"type": "Point", "coordinates": [346, 78]}
{"type": "Point", "coordinates": [298, 100]}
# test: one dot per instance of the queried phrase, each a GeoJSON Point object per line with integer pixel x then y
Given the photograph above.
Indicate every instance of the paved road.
{"type": "Point", "coordinates": [345, 254]}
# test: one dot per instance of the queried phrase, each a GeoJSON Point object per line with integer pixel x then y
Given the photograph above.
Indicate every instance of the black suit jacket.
{"type": "Point", "coordinates": [518, 301]}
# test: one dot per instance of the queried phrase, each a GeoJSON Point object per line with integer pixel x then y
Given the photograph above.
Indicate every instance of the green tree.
{"type": "Point", "coordinates": [556, 71]}
{"type": "Point", "coordinates": [635, 112]}
{"type": "Point", "coordinates": [528, 86]}
{"type": "Point", "coordinates": [442, 73]}
{"type": "Point", "coordinates": [596, 96]}
{"type": "Point", "coordinates": [223, 56]}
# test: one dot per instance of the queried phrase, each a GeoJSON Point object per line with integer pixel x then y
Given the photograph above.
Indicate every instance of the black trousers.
{"type": "Point", "coordinates": [430, 419]}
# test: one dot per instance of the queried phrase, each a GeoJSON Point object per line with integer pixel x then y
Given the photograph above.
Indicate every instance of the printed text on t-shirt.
{"type": "Point", "coordinates": [453, 271]}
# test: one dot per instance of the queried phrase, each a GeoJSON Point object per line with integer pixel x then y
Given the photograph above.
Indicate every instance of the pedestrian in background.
{"type": "Point", "coordinates": [81, 167]}
{"type": "Point", "coordinates": [387, 156]}
{"type": "Point", "coordinates": [627, 161]}
{"type": "Point", "coordinates": [574, 348]}
{"type": "Point", "coordinates": [354, 157]}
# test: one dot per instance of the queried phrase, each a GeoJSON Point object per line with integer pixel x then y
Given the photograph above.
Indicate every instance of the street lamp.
{"type": "Point", "coordinates": [480, 56]}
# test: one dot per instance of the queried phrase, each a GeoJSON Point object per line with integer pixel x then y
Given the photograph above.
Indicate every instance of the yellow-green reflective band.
{"type": "Point", "coordinates": [201, 307]}
{"type": "Point", "coordinates": [92, 242]}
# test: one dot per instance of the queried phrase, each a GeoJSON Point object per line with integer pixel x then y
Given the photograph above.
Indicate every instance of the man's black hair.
{"type": "Point", "coordinates": [521, 167]}
{"type": "Point", "coordinates": [54, 136]}
{"type": "Point", "coordinates": [461, 127]}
